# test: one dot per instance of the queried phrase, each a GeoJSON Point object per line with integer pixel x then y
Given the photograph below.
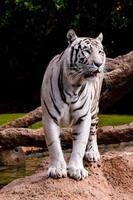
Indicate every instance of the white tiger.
{"type": "Point", "coordinates": [72, 84]}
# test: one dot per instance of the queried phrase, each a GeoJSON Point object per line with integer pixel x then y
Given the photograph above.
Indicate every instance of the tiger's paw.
{"type": "Point", "coordinates": [92, 155]}
{"type": "Point", "coordinates": [57, 171]}
{"type": "Point", "coordinates": [77, 173]}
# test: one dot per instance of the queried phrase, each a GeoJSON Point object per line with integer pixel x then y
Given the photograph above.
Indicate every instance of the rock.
{"type": "Point", "coordinates": [14, 156]}
{"type": "Point", "coordinates": [109, 179]}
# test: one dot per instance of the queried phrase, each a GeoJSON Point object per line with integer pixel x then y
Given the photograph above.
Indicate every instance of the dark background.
{"type": "Point", "coordinates": [33, 31]}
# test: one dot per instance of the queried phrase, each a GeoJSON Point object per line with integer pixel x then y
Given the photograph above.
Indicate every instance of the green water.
{"type": "Point", "coordinates": [9, 173]}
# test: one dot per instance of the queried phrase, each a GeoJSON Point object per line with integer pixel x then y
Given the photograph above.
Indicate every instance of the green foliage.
{"type": "Point", "coordinates": [4, 118]}
{"type": "Point", "coordinates": [36, 125]}
{"type": "Point", "coordinates": [114, 120]}
{"type": "Point", "coordinates": [76, 20]}
{"type": "Point", "coordinates": [119, 18]}
{"type": "Point", "coordinates": [104, 120]}
{"type": "Point", "coordinates": [26, 3]}
{"type": "Point", "coordinates": [60, 4]}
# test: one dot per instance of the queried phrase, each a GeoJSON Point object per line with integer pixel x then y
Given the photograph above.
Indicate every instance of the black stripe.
{"type": "Point", "coordinates": [80, 119]}
{"type": "Point", "coordinates": [90, 140]}
{"type": "Point", "coordinates": [94, 116]}
{"type": "Point", "coordinates": [84, 96]}
{"type": "Point", "coordinates": [85, 40]}
{"type": "Point", "coordinates": [51, 143]}
{"type": "Point", "coordinates": [60, 86]}
{"type": "Point", "coordinates": [52, 87]}
{"type": "Point", "coordinates": [79, 108]}
{"type": "Point", "coordinates": [76, 55]}
{"type": "Point", "coordinates": [53, 117]}
{"type": "Point", "coordinates": [74, 68]}
{"type": "Point", "coordinates": [75, 133]}
{"type": "Point", "coordinates": [90, 147]}
{"type": "Point", "coordinates": [73, 102]}
{"type": "Point", "coordinates": [81, 90]}
{"type": "Point", "coordinates": [60, 56]}
{"type": "Point", "coordinates": [71, 57]}
{"type": "Point", "coordinates": [55, 106]}
{"type": "Point", "coordinates": [79, 47]}
{"type": "Point", "coordinates": [79, 94]}
{"type": "Point", "coordinates": [82, 52]}
{"type": "Point", "coordinates": [85, 61]}
{"type": "Point", "coordinates": [94, 107]}
{"type": "Point", "coordinates": [68, 93]}
{"type": "Point", "coordinates": [93, 123]}
{"type": "Point", "coordinates": [92, 133]}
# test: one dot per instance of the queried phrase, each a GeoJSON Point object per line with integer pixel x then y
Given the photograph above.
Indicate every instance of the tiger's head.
{"type": "Point", "coordinates": [86, 56]}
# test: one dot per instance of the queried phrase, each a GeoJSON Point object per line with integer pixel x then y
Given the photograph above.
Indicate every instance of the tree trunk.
{"type": "Point", "coordinates": [25, 121]}
{"type": "Point", "coordinates": [118, 82]}
{"type": "Point", "coordinates": [12, 137]}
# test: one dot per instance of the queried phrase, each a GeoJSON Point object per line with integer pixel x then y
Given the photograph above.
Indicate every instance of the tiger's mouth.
{"type": "Point", "coordinates": [91, 73]}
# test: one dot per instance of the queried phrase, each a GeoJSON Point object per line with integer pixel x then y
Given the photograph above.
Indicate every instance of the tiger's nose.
{"type": "Point", "coordinates": [98, 64]}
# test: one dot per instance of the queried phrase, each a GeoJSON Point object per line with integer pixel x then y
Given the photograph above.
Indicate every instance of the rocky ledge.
{"type": "Point", "coordinates": [109, 179]}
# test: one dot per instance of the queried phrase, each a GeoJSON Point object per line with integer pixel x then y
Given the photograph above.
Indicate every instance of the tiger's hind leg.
{"type": "Point", "coordinates": [52, 133]}
{"type": "Point", "coordinates": [92, 152]}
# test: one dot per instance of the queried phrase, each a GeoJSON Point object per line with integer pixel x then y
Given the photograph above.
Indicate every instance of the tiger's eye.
{"type": "Point", "coordinates": [101, 50]}
{"type": "Point", "coordinates": [81, 59]}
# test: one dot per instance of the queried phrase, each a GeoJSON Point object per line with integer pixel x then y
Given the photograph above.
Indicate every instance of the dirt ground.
{"type": "Point", "coordinates": [109, 179]}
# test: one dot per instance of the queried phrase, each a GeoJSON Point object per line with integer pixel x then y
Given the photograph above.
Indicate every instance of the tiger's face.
{"type": "Point", "coordinates": [87, 57]}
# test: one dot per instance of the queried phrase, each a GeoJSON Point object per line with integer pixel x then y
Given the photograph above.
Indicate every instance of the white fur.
{"type": "Point", "coordinates": [56, 102]}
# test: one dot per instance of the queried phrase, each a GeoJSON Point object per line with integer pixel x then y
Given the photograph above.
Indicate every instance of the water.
{"type": "Point", "coordinates": [10, 173]}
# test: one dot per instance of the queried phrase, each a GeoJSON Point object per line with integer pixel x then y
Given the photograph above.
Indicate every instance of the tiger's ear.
{"type": "Point", "coordinates": [71, 36]}
{"type": "Point", "coordinates": [100, 37]}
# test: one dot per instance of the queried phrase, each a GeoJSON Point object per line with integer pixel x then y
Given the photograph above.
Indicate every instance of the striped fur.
{"type": "Point", "coordinates": [70, 91]}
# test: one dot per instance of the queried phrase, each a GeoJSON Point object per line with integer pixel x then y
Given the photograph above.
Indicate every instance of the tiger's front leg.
{"type": "Point", "coordinates": [81, 130]}
{"type": "Point", "coordinates": [52, 133]}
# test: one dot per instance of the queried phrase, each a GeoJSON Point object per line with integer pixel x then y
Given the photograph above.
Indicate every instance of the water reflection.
{"type": "Point", "coordinates": [9, 173]}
